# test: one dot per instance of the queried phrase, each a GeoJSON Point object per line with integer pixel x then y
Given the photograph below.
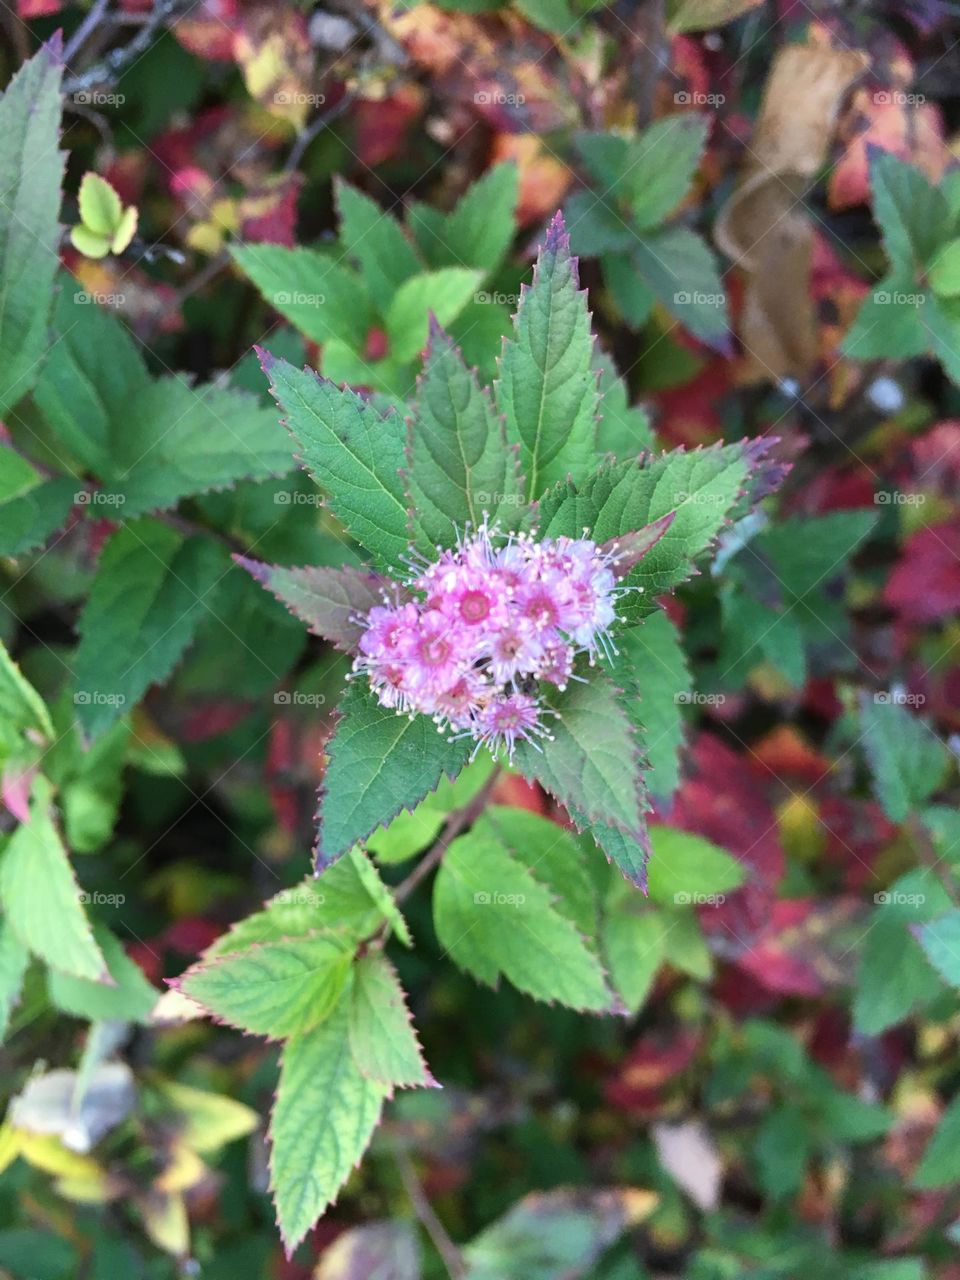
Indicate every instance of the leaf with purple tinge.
{"type": "Point", "coordinates": [329, 601]}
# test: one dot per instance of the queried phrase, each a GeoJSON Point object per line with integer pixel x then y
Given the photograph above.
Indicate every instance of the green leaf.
{"type": "Point", "coordinates": [130, 999]}
{"type": "Point", "coordinates": [480, 229]}
{"type": "Point", "coordinates": [660, 166]}
{"type": "Point", "coordinates": [940, 940]}
{"type": "Point", "coordinates": [351, 901]}
{"type": "Point", "coordinates": [324, 1116]}
{"type": "Point", "coordinates": [907, 760]}
{"type": "Point", "coordinates": [940, 1164]}
{"type": "Point", "coordinates": [351, 451]}
{"type": "Point", "coordinates": [319, 296]}
{"type": "Point", "coordinates": [28, 520]}
{"type": "Point", "coordinates": [890, 321]}
{"type": "Point", "coordinates": [21, 707]}
{"type": "Point", "coordinates": [412, 830]}
{"type": "Point", "coordinates": [913, 215]}
{"type": "Point", "coordinates": [495, 917]}
{"type": "Point", "coordinates": [702, 487]}
{"type": "Point", "coordinates": [150, 593]}
{"type": "Point", "coordinates": [681, 271]}
{"type": "Point", "coordinates": [623, 430]}
{"type": "Point", "coordinates": [555, 1235]}
{"type": "Point", "coordinates": [382, 1039]}
{"type": "Point", "coordinates": [547, 387]}
{"type": "Point", "coordinates": [275, 989]}
{"type": "Point", "coordinates": [100, 206]}
{"type": "Point", "coordinates": [596, 226]}
{"type": "Point", "coordinates": [685, 868]}
{"type": "Point", "coordinates": [327, 600]}
{"type": "Point", "coordinates": [944, 270]}
{"type": "Point", "coordinates": [14, 959]}
{"type": "Point", "coordinates": [460, 466]}
{"type": "Point", "coordinates": [373, 238]}
{"type": "Point", "coordinates": [151, 441]}
{"type": "Point", "coordinates": [782, 1150]}
{"type": "Point", "coordinates": [442, 293]}
{"type": "Point", "coordinates": [40, 896]}
{"type": "Point", "coordinates": [633, 941]}
{"type": "Point", "coordinates": [126, 230]}
{"type": "Point", "coordinates": [894, 977]}
{"type": "Point", "coordinates": [591, 762]}
{"type": "Point", "coordinates": [88, 777]}
{"type": "Point", "coordinates": [378, 763]}
{"type": "Point", "coordinates": [32, 168]}
{"type": "Point", "coordinates": [654, 656]}
{"type": "Point", "coordinates": [701, 15]}
{"type": "Point", "coordinates": [90, 243]}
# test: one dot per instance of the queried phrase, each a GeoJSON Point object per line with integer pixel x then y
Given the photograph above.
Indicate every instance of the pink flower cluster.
{"type": "Point", "coordinates": [490, 620]}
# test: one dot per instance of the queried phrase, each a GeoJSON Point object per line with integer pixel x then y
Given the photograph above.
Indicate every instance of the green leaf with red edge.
{"type": "Point", "coordinates": [703, 488]}
{"type": "Point", "coordinates": [460, 464]}
{"type": "Point", "coordinates": [378, 764]}
{"type": "Point", "coordinates": [591, 763]}
{"type": "Point", "coordinates": [275, 989]}
{"type": "Point", "coordinates": [32, 167]}
{"type": "Point", "coordinates": [382, 1038]}
{"type": "Point", "coordinates": [352, 452]}
{"type": "Point", "coordinates": [327, 600]}
{"type": "Point", "coordinates": [548, 388]}
{"type": "Point", "coordinates": [323, 1118]}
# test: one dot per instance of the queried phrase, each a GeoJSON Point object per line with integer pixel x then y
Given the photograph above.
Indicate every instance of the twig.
{"type": "Point", "coordinates": [86, 28]}
{"type": "Point", "coordinates": [454, 824]}
{"type": "Point", "coordinates": [117, 59]}
{"type": "Point", "coordinates": [313, 129]}
{"type": "Point", "coordinates": [448, 1251]}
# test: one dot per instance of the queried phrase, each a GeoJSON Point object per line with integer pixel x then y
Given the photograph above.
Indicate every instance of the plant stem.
{"type": "Point", "coordinates": [448, 1251]}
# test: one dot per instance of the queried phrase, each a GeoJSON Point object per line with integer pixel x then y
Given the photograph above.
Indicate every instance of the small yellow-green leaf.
{"type": "Point", "coordinates": [100, 207]}
{"type": "Point", "coordinates": [88, 242]}
{"type": "Point", "coordinates": [126, 229]}
{"type": "Point", "coordinates": [944, 272]}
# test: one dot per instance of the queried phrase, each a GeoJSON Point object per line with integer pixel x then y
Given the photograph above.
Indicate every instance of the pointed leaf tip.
{"type": "Point", "coordinates": [558, 240]}
{"type": "Point", "coordinates": [54, 46]}
{"type": "Point", "coordinates": [267, 358]}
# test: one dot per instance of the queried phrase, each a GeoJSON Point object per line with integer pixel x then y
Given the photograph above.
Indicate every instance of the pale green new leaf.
{"type": "Point", "coordinates": [323, 1118]}
{"type": "Point", "coordinates": [632, 938]}
{"type": "Point", "coordinates": [685, 868]}
{"type": "Point", "coordinates": [275, 989]}
{"type": "Point", "coordinates": [321, 297]}
{"type": "Point", "coordinates": [479, 230]}
{"type": "Point", "coordinates": [40, 897]}
{"type": "Point", "coordinates": [548, 388]}
{"type": "Point", "coordinates": [443, 293]}
{"type": "Point", "coordinates": [496, 918]}
{"type": "Point", "coordinates": [374, 239]}
{"type": "Point", "coordinates": [129, 999]}
{"type": "Point", "coordinates": [32, 168]}
{"type": "Point", "coordinates": [152, 590]}
{"type": "Point", "coordinates": [352, 452]}
{"type": "Point", "coordinates": [21, 707]}
{"type": "Point", "coordinates": [382, 1037]}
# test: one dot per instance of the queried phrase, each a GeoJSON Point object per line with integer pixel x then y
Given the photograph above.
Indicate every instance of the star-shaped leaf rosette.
{"type": "Point", "coordinates": [518, 537]}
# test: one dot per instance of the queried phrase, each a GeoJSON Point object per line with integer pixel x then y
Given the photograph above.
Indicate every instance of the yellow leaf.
{"type": "Point", "coordinates": [45, 1151]}
{"type": "Point", "coordinates": [9, 1146]}
{"type": "Point", "coordinates": [212, 1120]}
{"type": "Point", "coordinates": [184, 1171]}
{"type": "Point", "coordinates": [165, 1222]}
{"type": "Point", "coordinates": [100, 207]}
{"type": "Point", "coordinates": [126, 229]}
